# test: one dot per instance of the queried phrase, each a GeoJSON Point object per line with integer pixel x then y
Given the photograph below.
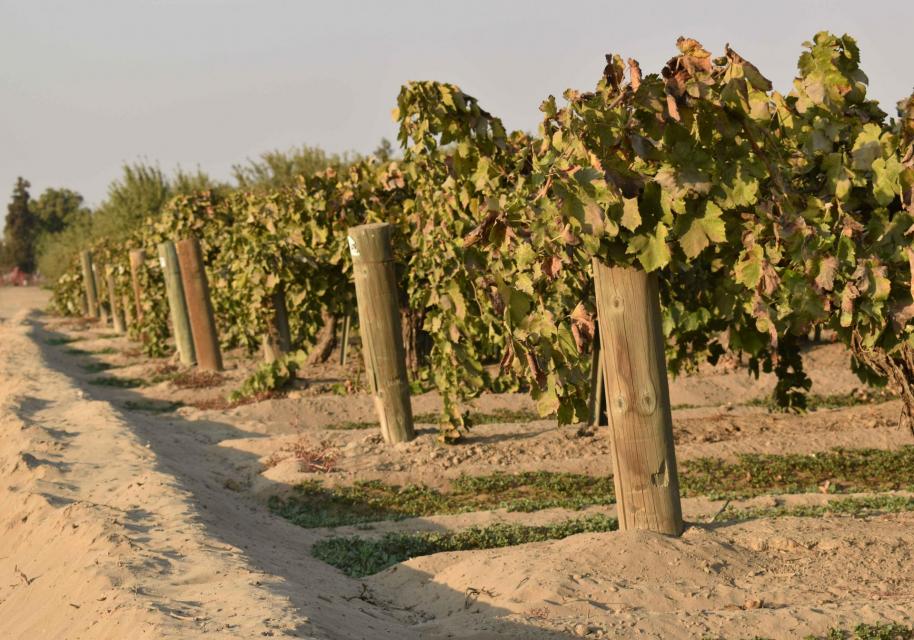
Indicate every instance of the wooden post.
{"type": "Point", "coordinates": [597, 388]}
{"type": "Point", "coordinates": [344, 343]}
{"type": "Point", "coordinates": [638, 399]}
{"type": "Point", "coordinates": [177, 305]}
{"type": "Point", "coordinates": [127, 308]}
{"type": "Point", "coordinates": [116, 314]}
{"type": "Point", "coordinates": [278, 340]}
{"type": "Point", "coordinates": [199, 305]}
{"type": "Point", "coordinates": [379, 322]}
{"type": "Point", "coordinates": [89, 284]}
{"type": "Point", "coordinates": [137, 259]}
{"type": "Point", "coordinates": [101, 289]}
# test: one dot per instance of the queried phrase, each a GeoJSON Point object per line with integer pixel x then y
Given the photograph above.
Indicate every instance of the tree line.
{"type": "Point", "coordinates": [42, 235]}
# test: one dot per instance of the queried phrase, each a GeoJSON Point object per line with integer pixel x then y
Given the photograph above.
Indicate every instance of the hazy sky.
{"type": "Point", "coordinates": [87, 85]}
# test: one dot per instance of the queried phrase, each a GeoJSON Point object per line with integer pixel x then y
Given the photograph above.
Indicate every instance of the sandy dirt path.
{"type": "Point", "coordinates": [108, 533]}
{"type": "Point", "coordinates": [124, 524]}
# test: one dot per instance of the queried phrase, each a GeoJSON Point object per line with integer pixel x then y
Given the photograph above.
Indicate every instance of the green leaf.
{"type": "Point", "coordinates": [548, 401]}
{"type": "Point", "coordinates": [651, 248]}
{"type": "Point", "coordinates": [839, 182]}
{"type": "Point", "coordinates": [887, 182]}
{"type": "Point", "coordinates": [519, 306]}
{"type": "Point", "coordinates": [704, 230]}
{"type": "Point", "coordinates": [631, 216]}
{"type": "Point", "coordinates": [867, 147]}
{"type": "Point", "coordinates": [748, 271]}
{"type": "Point", "coordinates": [525, 255]}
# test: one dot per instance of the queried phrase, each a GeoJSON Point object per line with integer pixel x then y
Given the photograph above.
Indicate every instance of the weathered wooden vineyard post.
{"type": "Point", "coordinates": [638, 399]}
{"type": "Point", "coordinates": [379, 322]}
{"type": "Point", "coordinates": [174, 289]}
{"type": "Point", "coordinates": [116, 312]}
{"type": "Point", "coordinates": [597, 388]}
{"type": "Point", "coordinates": [199, 305]}
{"type": "Point", "coordinates": [137, 259]}
{"type": "Point", "coordinates": [101, 289]}
{"type": "Point", "coordinates": [89, 284]}
{"type": "Point", "coordinates": [278, 340]}
{"type": "Point", "coordinates": [127, 308]}
{"type": "Point", "coordinates": [344, 343]}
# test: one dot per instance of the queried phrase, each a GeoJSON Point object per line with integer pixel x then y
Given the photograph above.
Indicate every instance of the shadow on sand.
{"type": "Point", "coordinates": [192, 452]}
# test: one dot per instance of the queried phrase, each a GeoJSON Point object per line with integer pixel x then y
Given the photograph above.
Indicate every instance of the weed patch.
{"type": "Point", "coordinates": [107, 351]}
{"type": "Point", "coordinates": [310, 459]}
{"type": "Point", "coordinates": [220, 403]}
{"type": "Point", "coordinates": [211, 404]}
{"type": "Point", "coordinates": [501, 416]}
{"type": "Point", "coordinates": [815, 402]}
{"type": "Point", "coordinates": [358, 557]}
{"type": "Point", "coordinates": [498, 416]}
{"type": "Point", "coordinates": [355, 426]}
{"type": "Point", "coordinates": [685, 405]}
{"type": "Point", "coordinates": [152, 406]}
{"type": "Point", "coordinates": [196, 379]}
{"type": "Point", "coordinates": [837, 471]}
{"type": "Point", "coordinates": [536, 490]}
{"type": "Point", "coordinates": [853, 507]}
{"type": "Point", "coordinates": [120, 383]}
{"type": "Point", "coordinates": [890, 631]}
{"type": "Point", "coordinates": [312, 505]}
{"type": "Point", "coordinates": [872, 632]}
{"type": "Point", "coordinates": [269, 378]}
{"type": "Point", "coordinates": [163, 373]}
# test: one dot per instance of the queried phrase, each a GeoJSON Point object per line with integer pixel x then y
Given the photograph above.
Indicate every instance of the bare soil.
{"type": "Point", "coordinates": [119, 521]}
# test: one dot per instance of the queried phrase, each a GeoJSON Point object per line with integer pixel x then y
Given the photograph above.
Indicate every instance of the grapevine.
{"type": "Point", "coordinates": [765, 215]}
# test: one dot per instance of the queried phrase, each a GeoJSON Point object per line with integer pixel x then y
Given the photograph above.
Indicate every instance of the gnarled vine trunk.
{"type": "Point", "coordinates": [325, 342]}
{"type": "Point", "coordinates": [277, 341]}
{"type": "Point", "coordinates": [896, 367]}
{"type": "Point", "coordinates": [414, 343]}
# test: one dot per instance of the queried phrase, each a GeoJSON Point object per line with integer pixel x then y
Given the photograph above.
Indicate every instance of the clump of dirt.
{"type": "Point", "coordinates": [320, 459]}
{"type": "Point", "coordinates": [197, 379]}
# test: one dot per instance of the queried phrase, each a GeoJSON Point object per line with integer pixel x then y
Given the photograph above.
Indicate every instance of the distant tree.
{"type": "Point", "coordinates": [385, 150]}
{"type": "Point", "coordinates": [56, 251]}
{"type": "Point", "coordinates": [55, 209]}
{"type": "Point", "coordinates": [21, 229]}
{"type": "Point", "coordinates": [282, 168]}
{"type": "Point", "coordinates": [141, 191]}
{"type": "Point", "coordinates": [187, 183]}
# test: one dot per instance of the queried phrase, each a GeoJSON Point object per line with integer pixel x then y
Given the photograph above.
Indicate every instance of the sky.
{"type": "Point", "coordinates": [87, 85]}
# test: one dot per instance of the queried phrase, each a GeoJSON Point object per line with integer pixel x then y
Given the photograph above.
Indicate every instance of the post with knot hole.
{"type": "Point", "coordinates": [637, 399]}
{"type": "Point", "coordinates": [379, 325]}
